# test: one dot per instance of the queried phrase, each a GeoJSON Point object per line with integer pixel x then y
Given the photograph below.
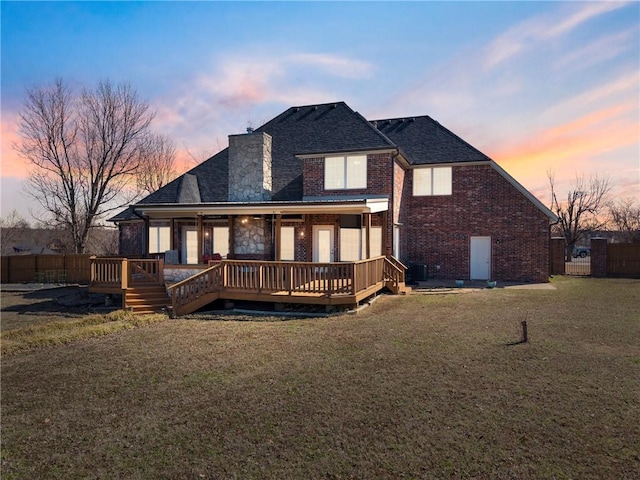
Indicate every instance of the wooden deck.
{"type": "Point", "coordinates": [331, 284]}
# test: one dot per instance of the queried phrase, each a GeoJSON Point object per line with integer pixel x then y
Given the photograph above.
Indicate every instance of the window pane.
{"type": "Point", "coordinates": [159, 238]}
{"type": "Point", "coordinates": [153, 239]}
{"type": "Point", "coordinates": [349, 244]}
{"type": "Point", "coordinates": [333, 173]}
{"type": "Point", "coordinates": [221, 241]}
{"type": "Point", "coordinates": [442, 181]}
{"type": "Point", "coordinates": [357, 171]}
{"type": "Point", "coordinates": [422, 181]}
{"type": "Point", "coordinates": [287, 249]}
{"type": "Point", "coordinates": [164, 240]}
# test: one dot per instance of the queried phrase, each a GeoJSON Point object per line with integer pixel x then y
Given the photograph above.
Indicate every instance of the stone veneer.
{"type": "Point", "coordinates": [250, 237]}
{"type": "Point", "coordinates": [250, 177]}
{"type": "Point", "coordinates": [177, 274]}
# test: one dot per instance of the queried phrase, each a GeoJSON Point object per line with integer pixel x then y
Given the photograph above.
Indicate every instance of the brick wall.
{"type": "Point", "coordinates": [438, 229]}
{"type": "Point", "coordinates": [379, 177]}
{"type": "Point", "coordinates": [557, 256]}
{"type": "Point", "coordinates": [131, 238]}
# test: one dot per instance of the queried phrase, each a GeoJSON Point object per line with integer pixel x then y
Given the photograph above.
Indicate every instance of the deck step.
{"type": "Point", "coordinates": [147, 299]}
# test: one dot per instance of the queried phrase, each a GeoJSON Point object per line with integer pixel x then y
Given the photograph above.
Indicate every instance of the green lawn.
{"type": "Point", "coordinates": [423, 386]}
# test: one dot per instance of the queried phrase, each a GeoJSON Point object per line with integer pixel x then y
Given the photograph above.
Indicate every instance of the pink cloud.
{"type": "Point", "coordinates": [12, 164]}
{"type": "Point", "coordinates": [603, 141]}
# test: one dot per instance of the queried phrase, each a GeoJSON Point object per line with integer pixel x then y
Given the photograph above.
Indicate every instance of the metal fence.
{"type": "Point", "coordinates": [578, 266]}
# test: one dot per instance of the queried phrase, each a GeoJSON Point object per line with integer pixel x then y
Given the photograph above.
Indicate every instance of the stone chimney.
{"type": "Point", "coordinates": [250, 167]}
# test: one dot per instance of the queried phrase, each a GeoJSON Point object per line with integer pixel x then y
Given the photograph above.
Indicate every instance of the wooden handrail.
{"type": "Point", "coordinates": [192, 288]}
{"type": "Point", "coordinates": [246, 276]}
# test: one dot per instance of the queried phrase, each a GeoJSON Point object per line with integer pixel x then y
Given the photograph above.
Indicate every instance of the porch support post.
{"type": "Point", "coordinates": [386, 230]}
{"type": "Point", "coordinates": [278, 238]}
{"type": "Point", "coordinates": [232, 237]}
{"type": "Point", "coordinates": [145, 237]}
{"type": "Point", "coordinates": [367, 229]}
{"type": "Point", "coordinates": [200, 236]}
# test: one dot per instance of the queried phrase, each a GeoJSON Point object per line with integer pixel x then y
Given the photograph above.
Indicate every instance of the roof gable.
{"type": "Point", "coordinates": [321, 129]}
{"type": "Point", "coordinates": [422, 141]}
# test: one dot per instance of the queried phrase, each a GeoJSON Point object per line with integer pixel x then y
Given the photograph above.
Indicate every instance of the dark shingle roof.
{"type": "Point", "coordinates": [425, 141]}
{"type": "Point", "coordinates": [321, 129]}
{"type": "Point", "coordinates": [331, 127]}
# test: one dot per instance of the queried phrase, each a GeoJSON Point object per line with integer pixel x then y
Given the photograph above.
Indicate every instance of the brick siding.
{"type": "Point", "coordinates": [438, 229]}
{"type": "Point", "coordinates": [379, 177]}
{"type": "Point", "coordinates": [131, 239]}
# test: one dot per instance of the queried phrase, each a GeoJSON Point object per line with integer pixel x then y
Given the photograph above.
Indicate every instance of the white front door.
{"type": "Point", "coordinates": [189, 245]}
{"type": "Point", "coordinates": [323, 243]}
{"type": "Point", "coordinates": [480, 260]}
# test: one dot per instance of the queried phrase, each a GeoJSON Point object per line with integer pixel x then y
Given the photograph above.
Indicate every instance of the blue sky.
{"type": "Point", "coordinates": [534, 85]}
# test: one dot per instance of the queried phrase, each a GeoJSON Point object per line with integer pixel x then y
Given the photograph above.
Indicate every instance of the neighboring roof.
{"type": "Point", "coordinates": [422, 140]}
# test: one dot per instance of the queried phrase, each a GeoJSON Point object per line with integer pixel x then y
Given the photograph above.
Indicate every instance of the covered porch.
{"type": "Point", "coordinates": [312, 230]}
{"type": "Point", "coordinates": [315, 283]}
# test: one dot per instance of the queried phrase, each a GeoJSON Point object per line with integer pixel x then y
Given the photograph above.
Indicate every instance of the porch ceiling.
{"type": "Point", "coordinates": [351, 206]}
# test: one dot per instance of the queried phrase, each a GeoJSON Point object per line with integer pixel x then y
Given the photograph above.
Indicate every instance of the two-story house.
{"type": "Point", "coordinates": [320, 183]}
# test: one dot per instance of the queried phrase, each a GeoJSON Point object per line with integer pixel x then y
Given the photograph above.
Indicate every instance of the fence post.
{"type": "Point", "coordinates": [161, 271]}
{"type": "Point", "coordinates": [124, 274]}
{"type": "Point", "coordinates": [599, 257]}
{"type": "Point", "coordinates": [557, 256]}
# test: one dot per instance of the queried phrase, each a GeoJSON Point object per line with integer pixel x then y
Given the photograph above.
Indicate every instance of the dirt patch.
{"type": "Point", "coordinates": [24, 309]}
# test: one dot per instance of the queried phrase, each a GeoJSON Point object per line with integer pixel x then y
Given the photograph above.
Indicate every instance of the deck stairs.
{"type": "Point", "coordinates": [398, 289]}
{"type": "Point", "coordinates": [147, 299]}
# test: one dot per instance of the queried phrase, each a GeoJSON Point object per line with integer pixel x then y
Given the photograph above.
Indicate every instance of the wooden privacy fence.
{"type": "Point", "coordinates": [68, 268]}
{"type": "Point", "coordinates": [623, 259]}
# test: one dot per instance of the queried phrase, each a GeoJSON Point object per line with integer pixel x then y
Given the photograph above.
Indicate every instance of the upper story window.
{"type": "Point", "coordinates": [348, 171]}
{"type": "Point", "coordinates": [431, 181]}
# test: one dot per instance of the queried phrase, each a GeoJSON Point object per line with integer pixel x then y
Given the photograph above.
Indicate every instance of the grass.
{"type": "Point", "coordinates": [423, 386]}
{"type": "Point", "coordinates": [71, 330]}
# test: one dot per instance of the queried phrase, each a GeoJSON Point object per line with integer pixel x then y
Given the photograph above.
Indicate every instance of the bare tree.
{"type": "Point", "coordinates": [12, 227]}
{"type": "Point", "coordinates": [157, 162]}
{"type": "Point", "coordinates": [582, 211]}
{"type": "Point", "coordinates": [625, 218]}
{"type": "Point", "coordinates": [84, 151]}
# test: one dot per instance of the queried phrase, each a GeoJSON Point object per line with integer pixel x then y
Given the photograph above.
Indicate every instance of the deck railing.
{"type": "Point", "coordinates": [107, 272]}
{"type": "Point", "coordinates": [247, 276]}
{"type": "Point", "coordinates": [194, 287]}
{"type": "Point", "coordinates": [121, 273]}
{"type": "Point", "coordinates": [145, 272]}
{"type": "Point", "coordinates": [393, 271]}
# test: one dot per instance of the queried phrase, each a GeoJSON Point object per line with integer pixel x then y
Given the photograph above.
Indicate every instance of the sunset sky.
{"type": "Point", "coordinates": [537, 86]}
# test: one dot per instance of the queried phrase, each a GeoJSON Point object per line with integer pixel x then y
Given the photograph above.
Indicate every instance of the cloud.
{"type": "Point", "coordinates": [250, 84]}
{"type": "Point", "coordinates": [602, 141]}
{"type": "Point", "coordinates": [530, 33]}
{"type": "Point", "coordinates": [335, 65]}
{"type": "Point", "coordinates": [600, 50]}
{"type": "Point", "coordinates": [12, 164]}
{"type": "Point", "coordinates": [585, 137]}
